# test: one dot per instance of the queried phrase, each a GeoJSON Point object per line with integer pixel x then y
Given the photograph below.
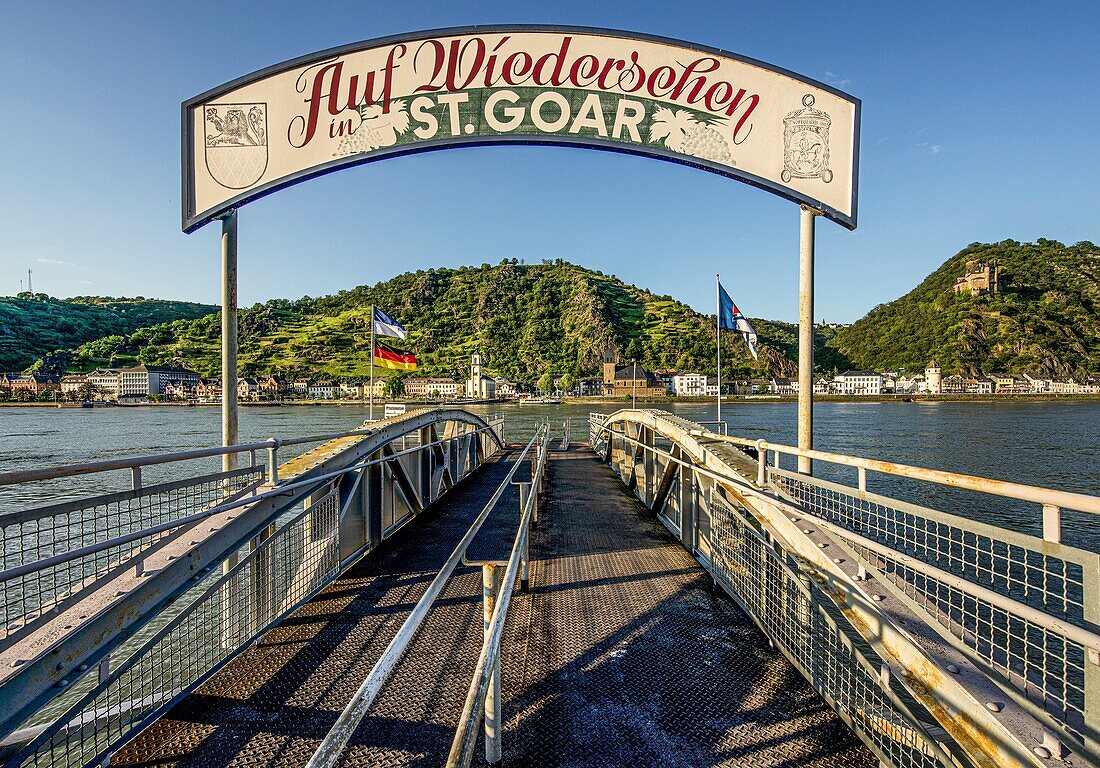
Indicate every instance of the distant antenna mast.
{"type": "Point", "coordinates": [30, 288]}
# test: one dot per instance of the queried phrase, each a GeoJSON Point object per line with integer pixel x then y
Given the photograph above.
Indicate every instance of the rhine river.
{"type": "Point", "coordinates": [1052, 444]}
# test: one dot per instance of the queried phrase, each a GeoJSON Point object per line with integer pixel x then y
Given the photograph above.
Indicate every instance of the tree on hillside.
{"type": "Point", "coordinates": [546, 384]}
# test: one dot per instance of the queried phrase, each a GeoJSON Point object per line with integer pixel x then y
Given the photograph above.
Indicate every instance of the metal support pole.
{"type": "Point", "coordinates": [806, 337]}
{"type": "Point", "coordinates": [525, 491]}
{"type": "Point", "coordinates": [649, 468]}
{"type": "Point", "coordinates": [229, 337]}
{"type": "Point", "coordinates": [370, 411]}
{"type": "Point", "coordinates": [273, 460]}
{"type": "Point", "coordinates": [762, 463]}
{"type": "Point", "coordinates": [490, 589]}
{"type": "Point", "coordinates": [718, 338]}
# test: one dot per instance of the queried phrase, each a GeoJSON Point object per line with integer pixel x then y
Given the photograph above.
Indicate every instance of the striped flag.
{"type": "Point", "coordinates": [731, 319]}
{"type": "Point", "coordinates": [385, 325]}
{"type": "Point", "coordinates": [386, 357]}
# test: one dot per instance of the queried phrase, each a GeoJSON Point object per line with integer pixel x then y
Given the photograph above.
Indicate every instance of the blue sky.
{"type": "Point", "coordinates": [979, 124]}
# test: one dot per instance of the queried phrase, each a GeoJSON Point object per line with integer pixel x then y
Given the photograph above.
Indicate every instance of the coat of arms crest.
{"type": "Point", "coordinates": [806, 143]}
{"type": "Point", "coordinates": [236, 143]}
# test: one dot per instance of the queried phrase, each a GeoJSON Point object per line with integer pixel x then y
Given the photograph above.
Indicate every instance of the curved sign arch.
{"type": "Point", "coordinates": [603, 89]}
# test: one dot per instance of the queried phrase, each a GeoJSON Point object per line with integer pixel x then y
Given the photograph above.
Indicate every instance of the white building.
{"type": "Point", "coordinates": [247, 389]}
{"type": "Point", "coordinates": [860, 383]}
{"type": "Point", "coordinates": [1064, 387]}
{"type": "Point", "coordinates": [146, 380]}
{"type": "Point", "coordinates": [783, 387]}
{"type": "Point", "coordinates": [73, 383]}
{"type": "Point", "coordinates": [321, 390]}
{"type": "Point", "coordinates": [505, 388]}
{"type": "Point", "coordinates": [910, 385]}
{"type": "Point", "coordinates": [353, 389]}
{"type": "Point", "coordinates": [711, 388]}
{"type": "Point", "coordinates": [438, 387]}
{"type": "Point", "coordinates": [1039, 386]}
{"type": "Point", "coordinates": [479, 386]}
{"type": "Point", "coordinates": [689, 385]}
{"type": "Point", "coordinates": [933, 377]}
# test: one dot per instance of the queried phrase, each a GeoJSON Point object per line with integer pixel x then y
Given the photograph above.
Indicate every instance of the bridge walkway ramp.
{"type": "Point", "coordinates": [621, 653]}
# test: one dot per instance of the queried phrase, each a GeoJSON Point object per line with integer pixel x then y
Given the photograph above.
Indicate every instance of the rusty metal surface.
{"type": "Point", "coordinates": [622, 653]}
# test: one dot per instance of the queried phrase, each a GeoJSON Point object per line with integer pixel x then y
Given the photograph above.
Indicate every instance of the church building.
{"type": "Point", "coordinates": [625, 380]}
{"type": "Point", "coordinates": [479, 386]}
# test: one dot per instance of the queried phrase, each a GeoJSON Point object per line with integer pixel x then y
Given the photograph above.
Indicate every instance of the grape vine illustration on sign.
{"type": "Point", "coordinates": [236, 143]}
{"type": "Point", "coordinates": [378, 128]}
{"type": "Point", "coordinates": [682, 132]}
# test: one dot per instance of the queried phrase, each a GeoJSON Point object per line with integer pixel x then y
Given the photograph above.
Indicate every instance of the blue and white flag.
{"type": "Point", "coordinates": [384, 325]}
{"type": "Point", "coordinates": [731, 319]}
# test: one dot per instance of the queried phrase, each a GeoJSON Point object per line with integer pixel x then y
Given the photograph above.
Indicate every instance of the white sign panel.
{"type": "Point", "coordinates": [490, 85]}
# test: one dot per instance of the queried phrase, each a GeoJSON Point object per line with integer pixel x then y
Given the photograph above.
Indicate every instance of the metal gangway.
{"type": "Point", "coordinates": [929, 638]}
{"type": "Point", "coordinates": [117, 604]}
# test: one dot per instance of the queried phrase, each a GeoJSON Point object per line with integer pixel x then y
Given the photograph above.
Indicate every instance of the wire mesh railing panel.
{"type": "Point", "coordinates": [224, 612]}
{"type": "Point", "coordinates": [31, 536]}
{"type": "Point", "coordinates": [1048, 668]}
{"type": "Point", "coordinates": [1039, 661]}
{"type": "Point", "coordinates": [790, 612]}
{"type": "Point", "coordinates": [1010, 563]}
{"type": "Point", "coordinates": [597, 436]}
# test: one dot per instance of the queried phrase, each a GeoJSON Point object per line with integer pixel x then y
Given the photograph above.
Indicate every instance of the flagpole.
{"type": "Point", "coordinates": [371, 411]}
{"type": "Point", "coordinates": [718, 337]}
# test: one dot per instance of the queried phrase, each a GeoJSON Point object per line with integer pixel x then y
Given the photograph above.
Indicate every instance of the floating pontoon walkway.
{"type": "Point", "coordinates": [621, 653]}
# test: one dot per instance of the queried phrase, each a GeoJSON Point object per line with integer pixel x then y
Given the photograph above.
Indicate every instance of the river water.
{"type": "Point", "coordinates": [1048, 443]}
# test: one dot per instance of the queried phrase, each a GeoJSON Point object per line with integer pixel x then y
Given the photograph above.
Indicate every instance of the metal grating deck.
{"type": "Point", "coordinates": [622, 654]}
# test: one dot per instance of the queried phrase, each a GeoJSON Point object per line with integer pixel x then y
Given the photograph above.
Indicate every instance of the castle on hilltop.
{"type": "Point", "coordinates": [980, 279]}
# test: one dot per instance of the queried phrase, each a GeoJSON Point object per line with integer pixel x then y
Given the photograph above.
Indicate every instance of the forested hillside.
{"type": "Point", "coordinates": [531, 319]}
{"type": "Point", "coordinates": [1044, 320]}
{"type": "Point", "coordinates": [526, 319]}
{"type": "Point", "coordinates": [33, 326]}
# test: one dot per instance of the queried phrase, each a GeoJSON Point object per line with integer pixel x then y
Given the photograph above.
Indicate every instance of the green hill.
{"type": "Point", "coordinates": [1045, 319]}
{"type": "Point", "coordinates": [35, 326]}
{"type": "Point", "coordinates": [526, 320]}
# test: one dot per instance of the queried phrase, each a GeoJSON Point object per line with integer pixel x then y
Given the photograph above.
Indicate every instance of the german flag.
{"type": "Point", "coordinates": [386, 357]}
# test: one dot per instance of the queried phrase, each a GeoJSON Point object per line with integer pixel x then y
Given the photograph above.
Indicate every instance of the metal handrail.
{"type": "Point", "coordinates": [332, 745]}
{"type": "Point", "coordinates": [1081, 635]}
{"type": "Point", "coordinates": [133, 462]}
{"type": "Point", "coordinates": [723, 426]}
{"type": "Point", "coordinates": [281, 489]}
{"type": "Point", "coordinates": [462, 747]}
{"type": "Point", "coordinates": [69, 470]}
{"type": "Point", "coordinates": [1008, 489]}
{"type": "Point", "coordinates": [38, 736]}
{"type": "Point", "coordinates": [1086, 636]}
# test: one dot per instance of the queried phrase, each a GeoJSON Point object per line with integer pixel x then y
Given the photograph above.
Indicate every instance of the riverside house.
{"type": "Point", "coordinates": [31, 383]}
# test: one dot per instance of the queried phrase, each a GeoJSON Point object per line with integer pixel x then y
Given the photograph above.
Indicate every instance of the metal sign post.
{"type": "Point", "coordinates": [229, 336]}
{"type": "Point", "coordinates": [718, 337]}
{"type": "Point", "coordinates": [806, 337]}
{"type": "Point", "coordinates": [370, 412]}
